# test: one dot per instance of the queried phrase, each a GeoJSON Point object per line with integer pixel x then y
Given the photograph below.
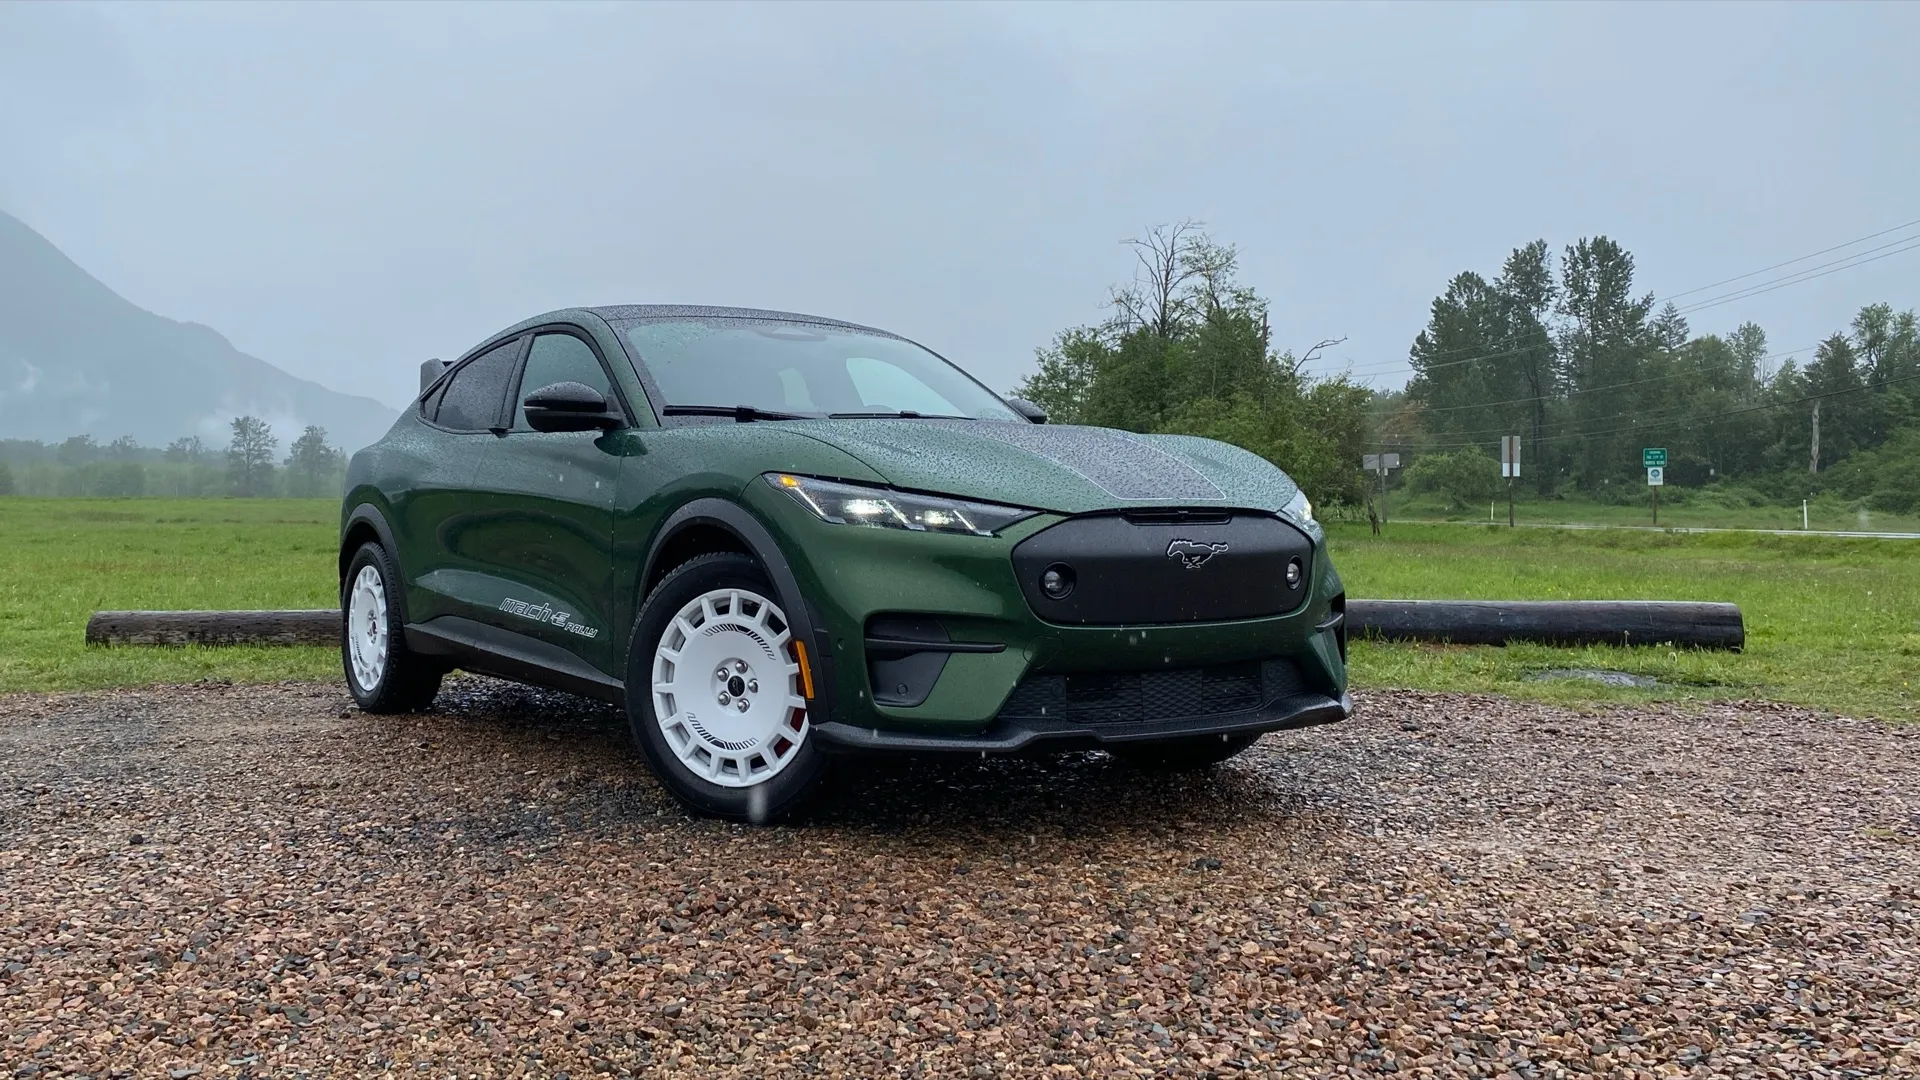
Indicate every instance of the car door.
{"type": "Point", "coordinates": [546, 500]}
{"type": "Point", "coordinates": [434, 510]}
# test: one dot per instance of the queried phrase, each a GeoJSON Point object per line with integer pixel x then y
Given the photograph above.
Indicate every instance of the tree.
{"type": "Point", "coordinates": [250, 456]}
{"type": "Point", "coordinates": [1065, 376]}
{"type": "Point", "coordinates": [311, 462]}
{"type": "Point", "coordinates": [77, 451]}
{"type": "Point", "coordinates": [6, 479]}
{"type": "Point", "coordinates": [1187, 351]}
{"type": "Point", "coordinates": [185, 451]}
{"type": "Point", "coordinates": [123, 449]}
{"type": "Point", "coordinates": [1602, 348]}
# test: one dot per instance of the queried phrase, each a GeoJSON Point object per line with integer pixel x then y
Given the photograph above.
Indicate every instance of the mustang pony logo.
{"type": "Point", "coordinates": [1192, 553]}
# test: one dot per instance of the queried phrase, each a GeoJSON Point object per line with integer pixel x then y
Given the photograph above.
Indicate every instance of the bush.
{"type": "Point", "coordinates": [1465, 478]}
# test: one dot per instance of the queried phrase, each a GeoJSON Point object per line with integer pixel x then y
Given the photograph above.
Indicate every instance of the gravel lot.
{"type": "Point", "coordinates": [219, 881]}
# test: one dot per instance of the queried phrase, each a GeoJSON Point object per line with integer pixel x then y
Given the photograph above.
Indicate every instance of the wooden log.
{"type": "Point", "coordinates": [1461, 622]}
{"type": "Point", "coordinates": [320, 627]}
{"type": "Point", "coordinates": [1552, 622]}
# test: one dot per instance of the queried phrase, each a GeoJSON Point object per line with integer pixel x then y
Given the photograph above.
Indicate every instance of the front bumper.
{"type": "Point", "coordinates": [1016, 735]}
{"type": "Point", "coordinates": [868, 588]}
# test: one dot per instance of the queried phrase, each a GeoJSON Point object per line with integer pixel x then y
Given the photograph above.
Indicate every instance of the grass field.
{"type": "Point", "coordinates": [1831, 623]}
{"type": "Point", "coordinates": [62, 559]}
{"type": "Point", "coordinates": [1697, 511]}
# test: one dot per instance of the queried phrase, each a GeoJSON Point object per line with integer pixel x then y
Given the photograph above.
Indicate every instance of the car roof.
{"type": "Point", "coordinates": [618, 312]}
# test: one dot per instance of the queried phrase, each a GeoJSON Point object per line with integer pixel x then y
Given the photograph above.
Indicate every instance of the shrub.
{"type": "Point", "coordinates": [1465, 478]}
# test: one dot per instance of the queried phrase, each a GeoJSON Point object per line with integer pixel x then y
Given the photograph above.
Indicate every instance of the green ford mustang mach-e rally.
{"type": "Point", "coordinates": [775, 537]}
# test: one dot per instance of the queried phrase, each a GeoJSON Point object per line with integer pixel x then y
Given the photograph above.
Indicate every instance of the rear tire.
{"type": "Point", "coordinates": [1182, 755]}
{"type": "Point", "coordinates": [383, 675]}
{"type": "Point", "coordinates": [714, 693]}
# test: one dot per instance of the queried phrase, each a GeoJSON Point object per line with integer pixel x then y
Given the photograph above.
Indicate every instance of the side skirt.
{"type": "Point", "coordinates": [491, 650]}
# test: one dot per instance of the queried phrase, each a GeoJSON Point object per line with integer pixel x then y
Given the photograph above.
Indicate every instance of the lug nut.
{"type": "Point", "coordinates": [721, 674]}
{"type": "Point", "coordinates": [726, 698]}
{"type": "Point", "coordinates": [740, 666]}
{"type": "Point", "coordinates": [743, 704]}
{"type": "Point", "coordinates": [753, 686]}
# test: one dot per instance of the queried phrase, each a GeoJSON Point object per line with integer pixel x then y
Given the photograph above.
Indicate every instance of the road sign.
{"type": "Point", "coordinates": [1509, 456]}
{"type": "Point", "coordinates": [1654, 457]}
{"type": "Point", "coordinates": [1379, 463]}
{"type": "Point", "coordinates": [1656, 475]}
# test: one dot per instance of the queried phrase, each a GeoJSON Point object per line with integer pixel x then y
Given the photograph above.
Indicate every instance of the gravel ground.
{"type": "Point", "coordinates": [224, 881]}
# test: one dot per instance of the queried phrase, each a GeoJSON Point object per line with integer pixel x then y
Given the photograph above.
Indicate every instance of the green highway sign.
{"type": "Point", "coordinates": [1654, 457]}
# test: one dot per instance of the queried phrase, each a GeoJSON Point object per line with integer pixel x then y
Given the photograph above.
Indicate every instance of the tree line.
{"type": "Point", "coordinates": [248, 467]}
{"type": "Point", "coordinates": [1557, 348]}
{"type": "Point", "coordinates": [1565, 353]}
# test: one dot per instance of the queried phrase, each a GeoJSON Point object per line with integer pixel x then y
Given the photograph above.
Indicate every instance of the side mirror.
{"type": "Point", "coordinates": [1028, 409]}
{"type": "Point", "coordinates": [430, 372]}
{"type": "Point", "coordinates": [569, 406]}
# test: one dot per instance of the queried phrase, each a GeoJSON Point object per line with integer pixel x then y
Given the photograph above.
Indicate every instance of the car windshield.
{"type": "Point", "coordinates": [803, 369]}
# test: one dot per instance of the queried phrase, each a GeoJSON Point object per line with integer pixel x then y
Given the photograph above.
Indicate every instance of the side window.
{"type": "Point", "coordinates": [557, 358]}
{"type": "Point", "coordinates": [473, 395]}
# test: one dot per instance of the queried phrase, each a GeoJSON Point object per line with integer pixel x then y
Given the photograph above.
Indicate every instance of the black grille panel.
{"type": "Point", "coordinates": [1159, 566]}
{"type": "Point", "coordinates": [1128, 697]}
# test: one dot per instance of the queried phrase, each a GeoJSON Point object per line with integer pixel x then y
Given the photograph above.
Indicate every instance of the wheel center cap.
{"type": "Point", "coordinates": [736, 686]}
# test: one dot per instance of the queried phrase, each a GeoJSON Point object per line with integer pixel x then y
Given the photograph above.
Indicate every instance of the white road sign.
{"type": "Point", "coordinates": [1509, 455]}
{"type": "Point", "coordinates": [1656, 475]}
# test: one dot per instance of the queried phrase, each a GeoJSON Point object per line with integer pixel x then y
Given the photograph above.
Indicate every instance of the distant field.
{"type": "Point", "coordinates": [1697, 511]}
{"type": "Point", "coordinates": [1831, 623]}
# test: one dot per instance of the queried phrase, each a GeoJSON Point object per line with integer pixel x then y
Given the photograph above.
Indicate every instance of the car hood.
{"type": "Point", "coordinates": [1058, 467]}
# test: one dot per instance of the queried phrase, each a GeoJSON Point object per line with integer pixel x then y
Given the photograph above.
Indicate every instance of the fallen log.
{"type": "Point", "coordinates": [1461, 622]}
{"type": "Point", "coordinates": [320, 627]}
{"type": "Point", "coordinates": [1550, 622]}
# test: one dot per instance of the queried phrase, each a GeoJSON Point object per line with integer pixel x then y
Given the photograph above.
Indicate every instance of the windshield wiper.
{"type": "Point", "coordinates": [742, 414]}
{"type": "Point", "coordinates": [891, 414]}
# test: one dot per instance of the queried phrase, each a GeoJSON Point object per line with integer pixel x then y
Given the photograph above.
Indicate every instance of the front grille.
{"type": "Point", "coordinates": [1164, 566]}
{"type": "Point", "coordinates": [1127, 697]}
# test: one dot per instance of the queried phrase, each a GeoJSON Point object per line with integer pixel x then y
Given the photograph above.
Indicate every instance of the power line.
{"type": "Point", "coordinates": [1790, 262]}
{"type": "Point", "coordinates": [1808, 274]}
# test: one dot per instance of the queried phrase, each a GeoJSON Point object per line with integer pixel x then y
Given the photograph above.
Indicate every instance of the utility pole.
{"type": "Point", "coordinates": [1813, 462]}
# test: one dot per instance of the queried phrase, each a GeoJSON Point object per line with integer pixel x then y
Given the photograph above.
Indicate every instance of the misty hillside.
{"type": "Point", "coordinates": [77, 359]}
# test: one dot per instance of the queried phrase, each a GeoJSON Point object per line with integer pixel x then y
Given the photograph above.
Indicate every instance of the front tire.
{"type": "Point", "coordinates": [1183, 755]}
{"type": "Point", "coordinates": [714, 692]}
{"type": "Point", "coordinates": [383, 675]}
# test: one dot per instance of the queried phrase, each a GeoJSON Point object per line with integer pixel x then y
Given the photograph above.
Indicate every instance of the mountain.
{"type": "Point", "coordinates": [78, 359]}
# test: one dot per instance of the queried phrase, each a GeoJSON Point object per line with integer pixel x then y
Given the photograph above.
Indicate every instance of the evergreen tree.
{"type": "Point", "coordinates": [311, 463]}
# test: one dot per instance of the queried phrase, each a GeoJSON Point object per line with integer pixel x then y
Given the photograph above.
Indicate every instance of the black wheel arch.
{"type": "Point", "coordinates": [366, 524]}
{"type": "Point", "coordinates": [713, 519]}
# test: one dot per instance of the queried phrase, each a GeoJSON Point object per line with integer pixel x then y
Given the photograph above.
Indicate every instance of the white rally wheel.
{"type": "Point", "coordinates": [367, 629]}
{"type": "Point", "coordinates": [725, 693]}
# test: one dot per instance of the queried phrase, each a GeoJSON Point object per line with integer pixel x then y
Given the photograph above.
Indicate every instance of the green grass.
{"type": "Point", "coordinates": [62, 559]}
{"type": "Point", "coordinates": [1831, 623]}
{"type": "Point", "coordinates": [1698, 510]}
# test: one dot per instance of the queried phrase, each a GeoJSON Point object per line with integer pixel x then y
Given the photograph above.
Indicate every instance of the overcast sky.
{"type": "Point", "coordinates": [345, 190]}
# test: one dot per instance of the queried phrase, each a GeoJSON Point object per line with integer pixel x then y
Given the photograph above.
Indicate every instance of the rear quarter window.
{"type": "Point", "coordinates": [471, 399]}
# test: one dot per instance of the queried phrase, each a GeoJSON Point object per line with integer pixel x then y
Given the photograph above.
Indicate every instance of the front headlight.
{"type": "Point", "coordinates": [884, 508]}
{"type": "Point", "coordinates": [1299, 506]}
